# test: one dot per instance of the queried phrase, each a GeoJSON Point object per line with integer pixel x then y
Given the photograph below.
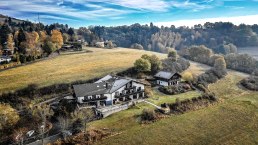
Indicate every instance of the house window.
{"type": "Point", "coordinates": [89, 97]}
{"type": "Point", "coordinates": [140, 88]}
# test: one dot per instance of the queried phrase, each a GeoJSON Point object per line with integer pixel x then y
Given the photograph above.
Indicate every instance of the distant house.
{"type": "Point", "coordinates": [5, 59]}
{"type": "Point", "coordinates": [108, 91]}
{"type": "Point", "coordinates": [100, 44]}
{"type": "Point", "coordinates": [167, 78]}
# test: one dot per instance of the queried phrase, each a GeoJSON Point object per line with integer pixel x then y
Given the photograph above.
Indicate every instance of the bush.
{"type": "Point", "coordinates": [137, 46]}
{"type": "Point", "coordinates": [148, 115]}
{"type": "Point", "coordinates": [177, 89]}
{"type": "Point", "coordinates": [180, 107]}
{"type": "Point", "coordinates": [250, 83]}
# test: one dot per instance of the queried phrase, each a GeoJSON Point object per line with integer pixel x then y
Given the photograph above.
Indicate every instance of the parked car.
{"type": "Point", "coordinates": [30, 133]}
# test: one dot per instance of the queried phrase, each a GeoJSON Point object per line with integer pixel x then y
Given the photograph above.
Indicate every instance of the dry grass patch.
{"type": "Point", "coordinates": [72, 67]}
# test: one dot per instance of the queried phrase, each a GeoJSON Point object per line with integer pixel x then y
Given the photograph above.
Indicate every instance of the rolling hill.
{"type": "Point", "coordinates": [234, 120]}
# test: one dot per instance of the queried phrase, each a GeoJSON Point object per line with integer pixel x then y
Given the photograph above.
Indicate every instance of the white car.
{"type": "Point", "coordinates": [30, 133]}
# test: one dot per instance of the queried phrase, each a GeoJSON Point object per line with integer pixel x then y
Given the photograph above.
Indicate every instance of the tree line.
{"type": "Point", "coordinates": [27, 41]}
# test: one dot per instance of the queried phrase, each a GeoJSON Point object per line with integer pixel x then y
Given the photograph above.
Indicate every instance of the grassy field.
{"type": "Point", "coordinates": [233, 121]}
{"type": "Point", "coordinates": [68, 68]}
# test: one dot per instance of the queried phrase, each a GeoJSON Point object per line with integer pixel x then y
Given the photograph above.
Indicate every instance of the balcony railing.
{"type": "Point", "coordinates": [94, 99]}
{"type": "Point", "coordinates": [128, 93]}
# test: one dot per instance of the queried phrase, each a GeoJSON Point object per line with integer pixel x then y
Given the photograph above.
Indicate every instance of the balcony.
{"type": "Point", "coordinates": [128, 93]}
{"type": "Point", "coordinates": [95, 99]}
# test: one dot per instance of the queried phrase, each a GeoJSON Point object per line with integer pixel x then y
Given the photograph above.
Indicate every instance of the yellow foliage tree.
{"type": "Point", "coordinates": [35, 35]}
{"type": "Point", "coordinates": [57, 38]}
{"type": "Point", "coordinates": [10, 43]}
{"type": "Point", "coordinates": [42, 36]}
{"type": "Point", "coordinates": [8, 116]}
{"type": "Point", "coordinates": [187, 76]}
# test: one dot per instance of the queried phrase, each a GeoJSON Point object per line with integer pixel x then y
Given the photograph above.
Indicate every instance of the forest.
{"type": "Point", "coordinates": [221, 37]}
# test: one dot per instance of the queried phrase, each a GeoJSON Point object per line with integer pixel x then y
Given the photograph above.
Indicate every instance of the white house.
{"type": "Point", "coordinates": [5, 59]}
{"type": "Point", "coordinates": [167, 78]}
{"type": "Point", "coordinates": [108, 91]}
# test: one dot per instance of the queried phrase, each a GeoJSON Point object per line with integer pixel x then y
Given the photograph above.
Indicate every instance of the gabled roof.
{"type": "Point", "coordinates": [99, 87]}
{"type": "Point", "coordinates": [105, 78]}
{"type": "Point", "coordinates": [90, 89]}
{"type": "Point", "coordinates": [165, 75]}
{"type": "Point", "coordinates": [118, 84]}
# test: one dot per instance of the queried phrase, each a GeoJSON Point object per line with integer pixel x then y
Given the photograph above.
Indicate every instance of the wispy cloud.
{"type": "Point", "coordinates": [97, 10]}
{"type": "Point", "coordinates": [92, 9]}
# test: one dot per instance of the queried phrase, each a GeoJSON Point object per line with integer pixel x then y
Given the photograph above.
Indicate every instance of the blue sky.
{"type": "Point", "coordinates": [79, 13]}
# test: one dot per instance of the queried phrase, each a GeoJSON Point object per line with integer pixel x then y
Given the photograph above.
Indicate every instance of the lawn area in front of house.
{"type": "Point", "coordinates": [232, 121]}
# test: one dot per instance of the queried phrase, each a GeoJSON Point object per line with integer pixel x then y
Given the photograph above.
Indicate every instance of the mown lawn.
{"type": "Point", "coordinates": [232, 121]}
{"type": "Point", "coordinates": [68, 68]}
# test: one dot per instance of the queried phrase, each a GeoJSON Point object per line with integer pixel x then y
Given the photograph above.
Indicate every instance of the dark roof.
{"type": "Point", "coordinates": [90, 89]}
{"type": "Point", "coordinates": [165, 75]}
{"type": "Point", "coordinates": [99, 87]}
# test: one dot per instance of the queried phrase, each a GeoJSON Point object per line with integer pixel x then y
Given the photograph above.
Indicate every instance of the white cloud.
{"type": "Point", "coordinates": [249, 20]}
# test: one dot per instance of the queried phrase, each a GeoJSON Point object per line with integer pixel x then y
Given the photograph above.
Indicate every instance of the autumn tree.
{"type": "Point", "coordinates": [57, 38]}
{"type": "Point", "coordinates": [220, 64]}
{"type": "Point", "coordinates": [10, 42]}
{"type": "Point", "coordinates": [40, 113]}
{"type": "Point", "coordinates": [8, 116]}
{"type": "Point", "coordinates": [42, 36]}
{"type": "Point", "coordinates": [187, 76]}
{"type": "Point", "coordinates": [142, 65]}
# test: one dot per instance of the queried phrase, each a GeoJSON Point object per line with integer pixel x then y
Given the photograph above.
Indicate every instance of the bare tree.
{"type": "Point", "coordinates": [41, 112]}
{"type": "Point", "coordinates": [64, 123]}
{"type": "Point", "coordinates": [86, 115]}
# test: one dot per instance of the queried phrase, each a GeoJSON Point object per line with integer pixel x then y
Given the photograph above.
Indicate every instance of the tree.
{"type": "Point", "coordinates": [66, 37]}
{"type": "Point", "coordinates": [48, 47]}
{"type": "Point", "coordinates": [57, 38]}
{"type": "Point", "coordinates": [142, 65]}
{"type": "Point", "coordinates": [42, 36]}
{"type": "Point", "coordinates": [137, 46]}
{"type": "Point", "coordinates": [110, 45]}
{"type": "Point", "coordinates": [85, 115]}
{"type": "Point", "coordinates": [172, 54]}
{"type": "Point", "coordinates": [4, 32]}
{"type": "Point", "coordinates": [8, 116]}
{"type": "Point", "coordinates": [64, 123]}
{"type": "Point", "coordinates": [40, 113]}
{"type": "Point", "coordinates": [70, 31]}
{"type": "Point", "coordinates": [220, 64]}
{"type": "Point", "coordinates": [187, 76]}
{"type": "Point", "coordinates": [21, 37]}
{"type": "Point", "coordinates": [10, 43]}
{"type": "Point", "coordinates": [156, 64]}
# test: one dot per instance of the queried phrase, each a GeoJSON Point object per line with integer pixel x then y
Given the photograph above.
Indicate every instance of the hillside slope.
{"type": "Point", "coordinates": [232, 121]}
{"type": "Point", "coordinates": [69, 67]}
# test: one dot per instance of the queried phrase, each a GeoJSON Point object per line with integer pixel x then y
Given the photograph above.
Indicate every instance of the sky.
{"type": "Point", "coordinates": [78, 13]}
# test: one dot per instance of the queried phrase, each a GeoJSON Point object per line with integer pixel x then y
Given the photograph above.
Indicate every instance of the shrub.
{"type": "Point", "coordinates": [148, 115]}
{"type": "Point", "coordinates": [250, 83]}
{"type": "Point", "coordinates": [180, 107]}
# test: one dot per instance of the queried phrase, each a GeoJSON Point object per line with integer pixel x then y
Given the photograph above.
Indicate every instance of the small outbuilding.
{"type": "Point", "coordinates": [164, 78]}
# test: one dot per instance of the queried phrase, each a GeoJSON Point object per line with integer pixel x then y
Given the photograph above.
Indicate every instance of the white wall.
{"type": "Point", "coordinates": [162, 83]}
{"type": "Point", "coordinates": [138, 85]}
{"type": "Point", "coordinates": [111, 97]}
